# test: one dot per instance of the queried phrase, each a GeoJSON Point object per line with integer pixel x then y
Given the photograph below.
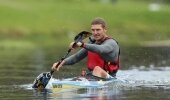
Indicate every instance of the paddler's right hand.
{"type": "Point", "coordinates": [55, 67]}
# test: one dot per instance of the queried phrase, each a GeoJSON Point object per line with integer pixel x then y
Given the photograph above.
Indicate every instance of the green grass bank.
{"type": "Point", "coordinates": [55, 22]}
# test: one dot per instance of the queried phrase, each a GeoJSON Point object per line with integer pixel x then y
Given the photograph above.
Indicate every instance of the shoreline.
{"type": "Point", "coordinates": [160, 43]}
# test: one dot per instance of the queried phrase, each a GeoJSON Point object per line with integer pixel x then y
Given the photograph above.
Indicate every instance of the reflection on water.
{"type": "Point", "coordinates": [145, 56]}
{"type": "Point", "coordinates": [144, 74]}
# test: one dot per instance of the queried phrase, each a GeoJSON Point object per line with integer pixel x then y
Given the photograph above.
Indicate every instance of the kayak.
{"type": "Point", "coordinates": [76, 83]}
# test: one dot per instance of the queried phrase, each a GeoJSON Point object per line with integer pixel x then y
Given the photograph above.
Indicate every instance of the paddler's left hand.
{"type": "Point", "coordinates": [80, 44]}
{"type": "Point", "coordinates": [74, 45]}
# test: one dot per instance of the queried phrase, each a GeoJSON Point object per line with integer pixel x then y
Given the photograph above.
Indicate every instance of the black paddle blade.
{"type": "Point", "coordinates": [81, 36]}
{"type": "Point", "coordinates": [42, 80]}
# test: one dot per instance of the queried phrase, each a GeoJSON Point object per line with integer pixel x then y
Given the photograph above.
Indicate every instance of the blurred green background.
{"type": "Point", "coordinates": [28, 23]}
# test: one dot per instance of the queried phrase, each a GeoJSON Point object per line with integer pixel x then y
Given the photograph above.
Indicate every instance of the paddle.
{"type": "Point", "coordinates": [42, 80]}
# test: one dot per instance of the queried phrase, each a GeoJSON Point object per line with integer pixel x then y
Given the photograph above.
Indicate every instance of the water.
{"type": "Point", "coordinates": [144, 78]}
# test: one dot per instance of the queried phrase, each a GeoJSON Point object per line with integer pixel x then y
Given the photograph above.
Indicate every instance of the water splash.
{"type": "Point", "coordinates": [146, 77]}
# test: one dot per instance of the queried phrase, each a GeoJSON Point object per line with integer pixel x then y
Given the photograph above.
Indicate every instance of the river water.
{"type": "Point", "coordinates": [144, 74]}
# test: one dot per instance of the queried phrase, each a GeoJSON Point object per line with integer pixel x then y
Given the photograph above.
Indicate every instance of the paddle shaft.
{"type": "Point", "coordinates": [69, 50]}
{"type": "Point", "coordinates": [77, 39]}
{"type": "Point", "coordinates": [42, 80]}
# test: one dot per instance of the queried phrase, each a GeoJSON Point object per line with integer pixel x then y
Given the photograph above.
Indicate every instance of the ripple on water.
{"type": "Point", "coordinates": [146, 77]}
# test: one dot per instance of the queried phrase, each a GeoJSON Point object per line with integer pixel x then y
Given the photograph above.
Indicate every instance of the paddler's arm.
{"type": "Point", "coordinates": [71, 60]}
{"type": "Point", "coordinates": [76, 57]}
{"type": "Point", "coordinates": [106, 47]}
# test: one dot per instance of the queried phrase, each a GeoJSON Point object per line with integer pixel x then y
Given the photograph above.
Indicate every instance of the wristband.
{"type": "Point", "coordinates": [82, 45]}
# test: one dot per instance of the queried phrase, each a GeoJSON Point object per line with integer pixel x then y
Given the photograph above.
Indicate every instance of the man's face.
{"type": "Point", "coordinates": [98, 32]}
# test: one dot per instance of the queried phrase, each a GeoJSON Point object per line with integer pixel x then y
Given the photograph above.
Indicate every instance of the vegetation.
{"type": "Point", "coordinates": [55, 22]}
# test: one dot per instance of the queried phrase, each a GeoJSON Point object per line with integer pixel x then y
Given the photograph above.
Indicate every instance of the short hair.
{"type": "Point", "coordinates": [99, 20]}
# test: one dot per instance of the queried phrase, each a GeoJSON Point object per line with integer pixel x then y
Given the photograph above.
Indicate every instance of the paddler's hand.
{"type": "Point", "coordinates": [55, 67]}
{"type": "Point", "coordinates": [80, 44]}
{"type": "Point", "coordinates": [74, 45]}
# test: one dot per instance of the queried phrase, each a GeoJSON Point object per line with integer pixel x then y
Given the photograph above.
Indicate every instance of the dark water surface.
{"type": "Point", "coordinates": [145, 74]}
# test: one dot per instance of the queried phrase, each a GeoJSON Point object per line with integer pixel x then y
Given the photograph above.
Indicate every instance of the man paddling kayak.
{"type": "Point", "coordinates": [102, 52]}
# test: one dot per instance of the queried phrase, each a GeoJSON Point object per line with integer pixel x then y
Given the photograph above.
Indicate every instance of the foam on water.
{"type": "Point", "coordinates": [147, 77]}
